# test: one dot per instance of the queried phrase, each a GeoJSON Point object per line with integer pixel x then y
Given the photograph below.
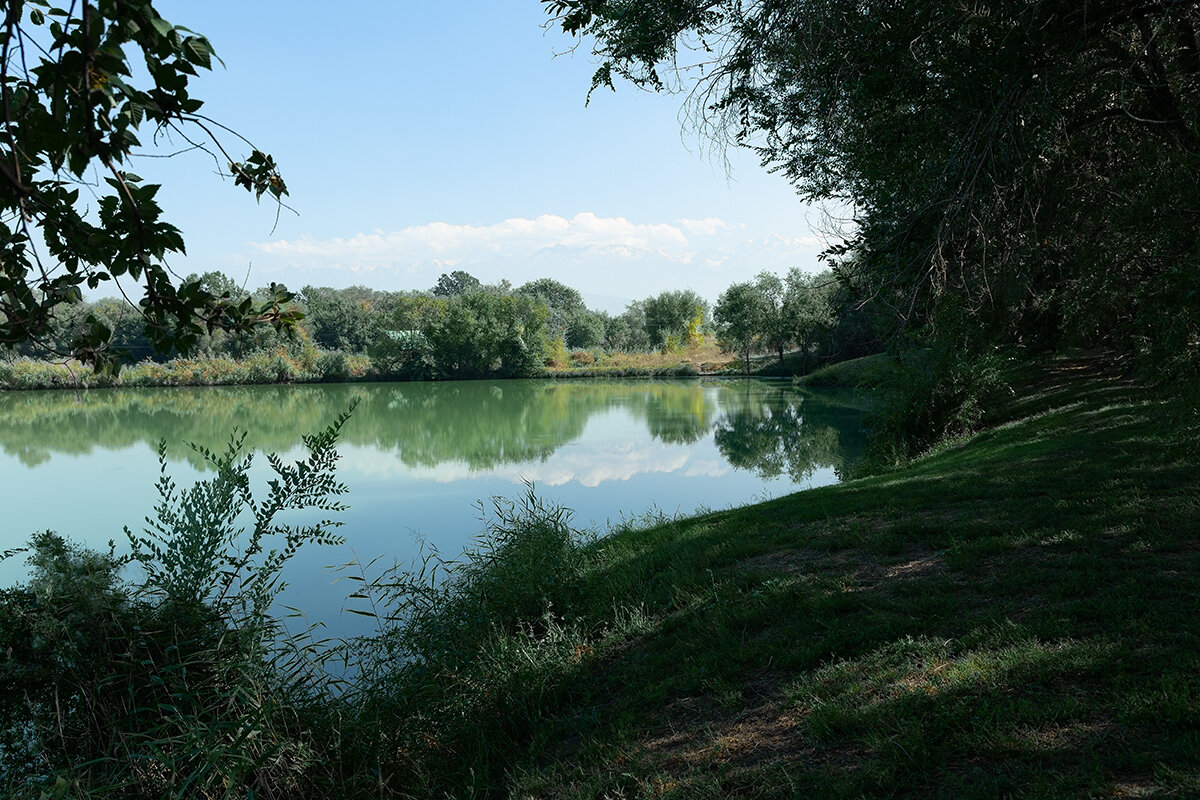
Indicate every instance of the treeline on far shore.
{"type": "Point", "coordinates": [462, 329]}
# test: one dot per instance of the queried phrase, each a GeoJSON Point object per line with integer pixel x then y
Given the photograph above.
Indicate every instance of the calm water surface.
{"type": "Point", "coordinates": [418, 457]}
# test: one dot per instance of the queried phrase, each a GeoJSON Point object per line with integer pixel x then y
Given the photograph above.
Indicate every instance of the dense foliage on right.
{"type": "Point", "coordinates": [1016, 175]}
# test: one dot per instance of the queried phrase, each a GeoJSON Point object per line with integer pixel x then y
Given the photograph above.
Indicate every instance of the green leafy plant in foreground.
{"type": "Point", "coordinates": [182, 684]}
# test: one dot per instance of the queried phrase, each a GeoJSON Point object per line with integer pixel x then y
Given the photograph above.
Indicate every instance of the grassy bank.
{"type": "Point", "coordinates": [869, 372]}
{"type": "Point", "coordinates": [1013, 615]}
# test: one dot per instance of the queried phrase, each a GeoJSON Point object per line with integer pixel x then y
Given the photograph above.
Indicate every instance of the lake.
{"type": "Point", "coordinates": [419, 457]}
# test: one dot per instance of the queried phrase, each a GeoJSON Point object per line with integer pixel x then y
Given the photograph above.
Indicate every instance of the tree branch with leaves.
{"type": "Point", "coordinates": [72, 111]}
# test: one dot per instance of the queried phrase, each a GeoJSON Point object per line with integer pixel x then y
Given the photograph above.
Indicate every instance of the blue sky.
{"type": "Point", "coordinates": [419, 137]}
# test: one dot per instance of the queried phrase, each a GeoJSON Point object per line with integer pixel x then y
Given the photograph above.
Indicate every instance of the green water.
{"type": "Point", "coordinates": [418, 456]}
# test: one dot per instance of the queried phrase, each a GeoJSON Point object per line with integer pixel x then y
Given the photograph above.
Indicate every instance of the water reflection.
{"type": "Point", "coordinates": [454, 430]}
{"type": "Point", "coordinates": [418, 457]}
{"type": "Point", "coordinates": [790, 434]}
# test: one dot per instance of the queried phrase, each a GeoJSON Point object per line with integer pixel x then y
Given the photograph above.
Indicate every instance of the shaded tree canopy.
{"type": "Point", "coordinates": [1019, 173]}
{"type": "Point", "coordinates": [71, 105]}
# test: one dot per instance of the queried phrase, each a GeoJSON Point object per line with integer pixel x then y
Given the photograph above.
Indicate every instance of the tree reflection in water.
{"type": "Point", "coordinates": [790, 433]}
{"type": "Point", "coordinates": [767, 427]}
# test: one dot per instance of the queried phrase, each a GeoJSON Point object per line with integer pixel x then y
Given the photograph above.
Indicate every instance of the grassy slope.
{"type": "Point", "coordinates": [1014, 615]}
{"type": "Point", "coordinates": [869, 372]}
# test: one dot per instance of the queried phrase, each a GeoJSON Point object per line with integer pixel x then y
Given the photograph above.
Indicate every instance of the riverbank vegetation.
{"type": "Point", "coordinates": [929, 632]}
{"type": "Point", "coordinates": [1014, 180]}
{"type": "Point", "coordinates": [458, 329]}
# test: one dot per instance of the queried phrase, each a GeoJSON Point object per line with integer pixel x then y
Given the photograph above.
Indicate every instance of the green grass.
{"type": "Point", "coordinates": [869, 372]}
{"type": "Point", "coordinates": [1014, 615]}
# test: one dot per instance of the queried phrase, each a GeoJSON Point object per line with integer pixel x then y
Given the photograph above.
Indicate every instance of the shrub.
{"type": "Point", "coordinates": [556, 353]}
{"type": "Point", "coordinates": [333, 366]}
{"type": "Point", "coordinates": [182, 684]}
{"type": "Point", "coordinates": [472, 649]}
{"type": "Point", "coordinates": [934, 395]}
{"type": "Point", "coordinates": [672, 345]}
{"type": "Point", "coordinates": [583, 358]}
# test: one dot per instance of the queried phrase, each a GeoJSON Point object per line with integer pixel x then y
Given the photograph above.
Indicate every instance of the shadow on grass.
{"type": "Point", "coordinates": [1013, 615]}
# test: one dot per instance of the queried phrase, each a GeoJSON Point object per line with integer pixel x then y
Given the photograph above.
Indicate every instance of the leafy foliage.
{"type": "Point", "coordinates": [469, 335]}
{"type": "Point", "coordinates": [195, 550]}
{"type": "Point", "coordinates": [453, 284]}
{"type": "Point", "coordinates": [670, 313]}
{"type": "Point", "coordinates": [1019, 176]}
{"type": "Point", "coordinates": [70, 105]}
{"type": "Point", "coordinates": [740, 317]}
{"type": "Point", "coordinates": [183, 684]}
{"type": "Point", "coordinates": [340, 322]}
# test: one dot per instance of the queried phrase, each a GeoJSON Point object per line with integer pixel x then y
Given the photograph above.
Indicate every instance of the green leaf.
{"type": "Point", "coordinates": [198, 52]}
{"type": "Point", "coordinates": [37, 17]}
{"type": "Point", "coordinates": [163, 27]}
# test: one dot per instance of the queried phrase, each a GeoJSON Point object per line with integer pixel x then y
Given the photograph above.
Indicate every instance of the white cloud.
{"type": "Point", "coordinates": [613, 257]}
{"type": "Point", "coordinates": [619, 461]}
{"type": "Point", "coordinates": [447, 245]}
{"type": "Point", "coordinates": [709, 226]}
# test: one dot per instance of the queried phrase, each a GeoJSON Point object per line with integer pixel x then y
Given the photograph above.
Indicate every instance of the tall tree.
{"type": "Point", "coordinates": [556, 295]}
{"type": "Point", "coordinates": [1019, 173]}
{"type": "Point", "coordinates": [478, 334]}
{"type": "Point", "coordinates": [808, 310]}
{"type": "Point", "coordinates": [337, 321]}
{"type": "Point", "coordinates": [584, 329]}
{"type": "Point", "coordinates": [452, 284]}
{"type": "Point", "coordinates": [627, 330]}
{"type": "Point", "coordinates": [777, 331]}
{"type": "Point", "coordinates": [563, 303]}
{"type": "Point", "coordinates": [74, 103]}
{"type": "Point", "coordinates": [739, 316]}
{"type": "Point", "coordinates": [668, 314]}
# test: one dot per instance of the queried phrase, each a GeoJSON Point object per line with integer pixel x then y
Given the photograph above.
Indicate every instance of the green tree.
{"type": "Point", "coordinates": [556, 295]}
{"type": "Point", "coordinates": [562, 302]}
{"type": "Point", "coordinates": [668, 314]}
{"type": "Point", "coordinates": [219, 284]}
{"type": "Point", "coordinates": [739, 316]}
{"type": "Point", "coordinates": [480, 334]}
{"type": "Point", "coordinates": [627, 331]}
{"type": "Point", "coordinates": [584, 329]}
{"type": "Point", "coordinates": [452, 284]}
{"type": "Point", "coordinates": [808, 310]}
{"type": "Point", "coordinates": [777, 329]}
{"type": "Point", "coordinates": [1017, 172]}
{"type": "Point", "coordinates": [72, 107]}
{"type": "Point", "coordinates": [338, 322]}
